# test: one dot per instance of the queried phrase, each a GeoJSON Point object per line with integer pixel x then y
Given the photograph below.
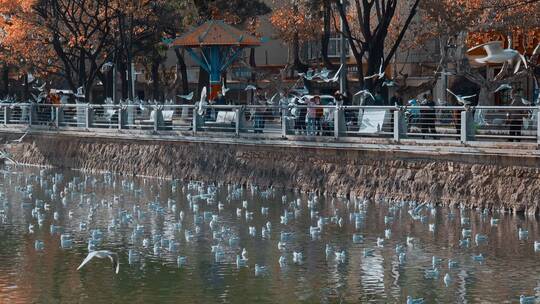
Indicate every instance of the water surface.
{"type": "Point", "coordinates": [28, 275]}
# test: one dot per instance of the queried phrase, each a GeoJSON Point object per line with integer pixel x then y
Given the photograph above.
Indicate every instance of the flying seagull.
{"type": "Point", "coordinates": [379, 75]}
{"type": "Point", "coordinates": [18, 141]}
{"type": "Point", "coordinates": [250, 87]}
{"type": "Point", "coordinates": [462, 99]}
{"type": "Point", "coordinates": [502, 87]}
{"type": "Point", "coordinates": [6, 155]}
{"type": "Point", "coordinates": [80, 92]}
{"type": "Point", "coordinates": [497, 54]}
{"type": "Point", "coordinates": [336, 76]}
{"type": "Point", "coordinates": [102, 254]}
{"type": "Point", "coordinates": [224, 89]}
{"type": "Point", "coordinates": [41, 88]}
{"type": "Point", "coordinates": [202, 102]}
{"type": "Point", "coordinates": [389, 83]}
{"type": "Point", "coordinates": [363, 93]}
{"type": "Point", "coordinates": [187, 97]}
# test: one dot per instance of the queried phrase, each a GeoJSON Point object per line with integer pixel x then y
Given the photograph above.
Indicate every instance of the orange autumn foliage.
{"type": "Point", "coordinates": [289, 20]}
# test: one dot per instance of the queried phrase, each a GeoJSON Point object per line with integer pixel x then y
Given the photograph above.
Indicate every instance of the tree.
{"type": "Point", "coordinates": [461, 24]}
{"type": "Point", "coordinates": [367, 25]}
{"type": "Point", "coordinates": [295, 23]}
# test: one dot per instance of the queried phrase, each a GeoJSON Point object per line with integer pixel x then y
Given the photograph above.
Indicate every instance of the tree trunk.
{"type": "Point", "coordinates": [253, 64]}
{"type": "Point", "coordinates": [325, 39]}
{"type": "Point", "coordinates": [204, 80]}
{"type": "Point", "coordinates": [26, 91]}
{"type": "Point", "coordinates": [5, 80]}
{"type": "Point", "coordinates": [183, 71]}
{"type": "Point", "coordinates": [485, 97]}
{"type": "Point", "coordinates": [155, 79]}
{"type": "Point", "coordinates": [298, 64]}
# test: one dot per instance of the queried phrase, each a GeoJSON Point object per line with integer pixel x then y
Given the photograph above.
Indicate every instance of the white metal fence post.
{"type": "Point", "coordinates": [467, 126]}
{"type": "Point", "coordinates": [339, 122]}
{"type": "Point", "coordinates": [400, 125]}
{"type": "Point", "coordinates": [237, 121]}
{"type": "Point", "coordinates": [89, 116]}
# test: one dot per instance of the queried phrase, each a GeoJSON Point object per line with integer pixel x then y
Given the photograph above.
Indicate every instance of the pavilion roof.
{"type": "Point", "coordinates": [216, 32]}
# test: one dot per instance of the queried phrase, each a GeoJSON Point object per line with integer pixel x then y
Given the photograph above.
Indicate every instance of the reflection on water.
{"type": "Point", "coordinates": [160, 221]}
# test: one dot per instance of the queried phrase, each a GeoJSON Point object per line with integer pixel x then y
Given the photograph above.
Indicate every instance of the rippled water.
{"type": "Point", "coordinates": [27, 275]}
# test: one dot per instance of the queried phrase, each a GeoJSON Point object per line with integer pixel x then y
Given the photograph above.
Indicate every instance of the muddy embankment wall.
{"type": "Point", "coordinates": [475, 180]}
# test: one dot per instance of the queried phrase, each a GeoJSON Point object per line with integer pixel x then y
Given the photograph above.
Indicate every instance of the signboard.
{"type": "Point", "coordinates": [371, 120]}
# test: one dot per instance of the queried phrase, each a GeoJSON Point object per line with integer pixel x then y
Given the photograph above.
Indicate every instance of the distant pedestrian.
{"type": "Point", "coordinates": [300, 122]}
{"type": "Point", "coordinates": [311, 116]}
{"type": "Point", "coordinates": [259, 113]}
{"type": "Point", "coordinates": [396, 100]}
{"type": "Point", "coordinates": [428, 116]}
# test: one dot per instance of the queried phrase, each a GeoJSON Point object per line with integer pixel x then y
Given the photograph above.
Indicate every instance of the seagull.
{"type": "Point", "coordinates": [102, 254]}
{"type": "Point", "coordinates": [107, 66]}
{"type": "Point", "coordinates": [250, 87]}
{"type": "Point", "coordinates": [336, 76]}
{"type": "Point", "coordinates": [80, 92]}
{"type": "Point", "coordinates": [187, 97]}
{"type": "Point", "coordinates": [525, 102]}
{"type": "Point", "coordinates": [202, 102]}
{"type": "Point", "coordinates": [6, 155]}
{"type": "Point", "coordinates": [497, 54]}
{"type": "Point", "coordinates": [389, 83]}
{"type": "Point", "coordinates": [272, 99]}
{"type": "Point", "coordinates": [224, 89]}
{"type": "Point", "coordinates": [379, 75]}
{"type": "Point", "coordinates": [18, 141]}
{"type": "Point", "coordinates": [502, 87]}
{"type": "Point", "coordinates": [41, 88]}
{"type": "Point", "coordinates": [462, 99]}
{"type": "Point", "coordinates": [364, 93]}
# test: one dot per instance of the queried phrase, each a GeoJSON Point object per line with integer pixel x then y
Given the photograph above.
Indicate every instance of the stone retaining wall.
{"type": "Point", "coordinates": [477, 181]}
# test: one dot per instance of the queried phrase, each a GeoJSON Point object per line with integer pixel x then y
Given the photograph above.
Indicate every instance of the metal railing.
{"type": "Point", "coordinates": [301, 121]}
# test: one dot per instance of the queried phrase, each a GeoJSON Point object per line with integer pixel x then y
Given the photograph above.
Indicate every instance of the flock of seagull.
{"type": "Point", "coordinates": [202, 212]}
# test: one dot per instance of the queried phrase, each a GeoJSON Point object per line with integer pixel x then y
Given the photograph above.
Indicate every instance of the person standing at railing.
{"type": "Point", "coordinates": [259, 113]}
{"type": "Point", "coordinates": [311, 116]}
{"type": "Point", "coordinates": [396, 100]}
{"type": "Point", "coordinates": [300, 121]}
{"type": "Point", "coordinates": [319, 113]}
{"type": "Point", "coordinates": [428, 116]}
{"type": "Point", "coordinates": [328, 118]}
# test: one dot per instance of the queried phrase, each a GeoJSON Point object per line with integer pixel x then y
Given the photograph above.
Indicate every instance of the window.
{"type": "Point", "coordinates": [334, 48]}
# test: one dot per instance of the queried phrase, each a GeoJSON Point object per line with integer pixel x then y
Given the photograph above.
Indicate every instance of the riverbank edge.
{"type": "Point", "coordinates": [498, 177]}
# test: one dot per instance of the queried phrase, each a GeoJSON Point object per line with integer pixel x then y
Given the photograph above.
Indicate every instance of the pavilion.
{"type": "Point", "coordinates": [219, 45]}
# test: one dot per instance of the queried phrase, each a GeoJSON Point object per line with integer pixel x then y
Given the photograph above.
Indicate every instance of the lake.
{"type": "Point", "coordinates": [144, 216]}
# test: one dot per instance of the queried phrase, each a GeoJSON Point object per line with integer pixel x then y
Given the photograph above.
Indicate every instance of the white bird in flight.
{"type": "Point", "coordinates": [379, 75]}
{"type": "Point", "coordinates": [336, 76]}
{"type": "Point", "coordinates": [497, 54]}
{"type": "Point", "coordinates": [202, 102]}
{"type": "Point", "coordinates": [18, 141]}
{"type": "Point", "coordinates": [364, 93]}
{"type": "Point", "coordinates": [224, 89]}
{"type": "Point", "coordinates": [250, 87]}
{"type": "Point", "coordinates": [462, 99]}
{"type": "Point", "coordinates": [102, 254]}
{"type": "Point", "coordinates": [502, 87]}
{"type": "Point", "coordinates": [187, 97]}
